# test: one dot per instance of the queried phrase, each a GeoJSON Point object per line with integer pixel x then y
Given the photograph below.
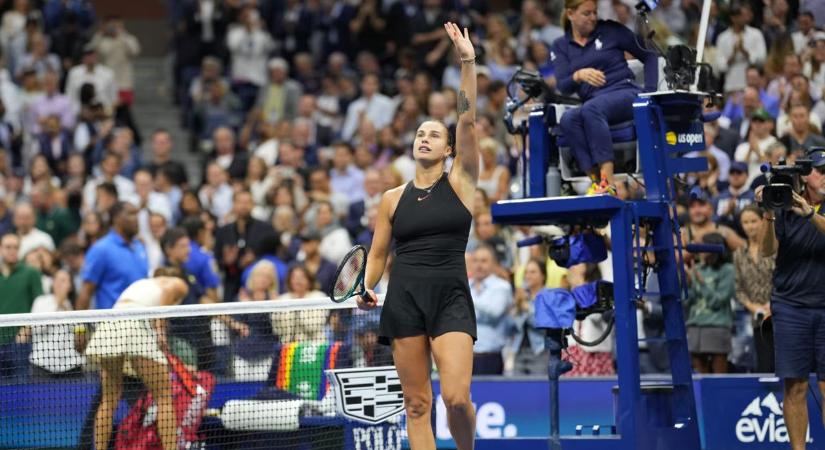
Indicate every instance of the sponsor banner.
{"type": "Point", "coordinates": [371, 395]}
{"type": "Point", "coordinates": [518, 408]}
{"type": "Point", "coordinates": [736, 412]}
{"type": "Point", "coordinates": [750, 414]}
{"type": "Point", "coordinates": [390, 435]}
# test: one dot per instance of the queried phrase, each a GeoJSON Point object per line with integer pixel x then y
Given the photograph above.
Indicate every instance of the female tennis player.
{"type": "Point", "coordinates": [141, 344]}
{"type": "Point", "coordinates": [428, 309]}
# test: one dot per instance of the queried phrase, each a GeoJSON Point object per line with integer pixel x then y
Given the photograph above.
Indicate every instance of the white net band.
{"type": "Point", "coordinates": [179, 311]}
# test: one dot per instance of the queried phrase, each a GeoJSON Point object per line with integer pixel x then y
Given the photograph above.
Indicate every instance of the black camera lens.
{"type": "Point", "coordinates": [778, 196]}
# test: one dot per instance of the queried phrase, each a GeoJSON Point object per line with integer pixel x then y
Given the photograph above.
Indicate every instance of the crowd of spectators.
{"type": "Point", "coordinates": [303, 114]}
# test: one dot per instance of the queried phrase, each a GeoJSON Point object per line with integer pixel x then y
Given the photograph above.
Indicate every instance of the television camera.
{"type": "Point", "coordinates": [782, 181]}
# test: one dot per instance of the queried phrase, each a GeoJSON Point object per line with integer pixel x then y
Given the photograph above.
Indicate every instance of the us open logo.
{"type": "Point", "coordinates": [690, 139]}
{"type": "Point", "coordinates": [370, 395]}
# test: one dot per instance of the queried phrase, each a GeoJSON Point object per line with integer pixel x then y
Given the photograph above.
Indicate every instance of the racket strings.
{"type": "Point", "coordinates": [347, 280]}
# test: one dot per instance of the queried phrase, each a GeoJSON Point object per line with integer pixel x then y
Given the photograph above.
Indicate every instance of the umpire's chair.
{"type": "Point", "coordinates": [625, 147]}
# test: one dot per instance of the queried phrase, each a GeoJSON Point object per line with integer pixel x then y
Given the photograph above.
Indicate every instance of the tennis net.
{"type": "Point", "coordinates": [224, 376]}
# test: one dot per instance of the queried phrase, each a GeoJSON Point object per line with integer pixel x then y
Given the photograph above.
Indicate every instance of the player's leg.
{"type": "Point", "coordinates": [155, 376]}
{"type": "Point", "coordinates": [412, 361]}
{"type": "Point", "coordinates": [111, 388]}
{"type": "Point", "coordinates": [795, 409]}
{"type": "Point", "coordinates": [453, 353]}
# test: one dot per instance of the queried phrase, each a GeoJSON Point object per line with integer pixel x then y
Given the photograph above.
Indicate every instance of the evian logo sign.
{"type": "Point", "coordinates": [762, 421]}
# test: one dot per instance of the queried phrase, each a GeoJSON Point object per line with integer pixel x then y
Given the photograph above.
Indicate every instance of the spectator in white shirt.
{"type": "Point", "coordinates": [148, 201]}
{"type": "Point", "coordinates": [117, 48]}
{"type": "Point", "coordinates": [805, 33]}
{"type": "Point", "coordinates": [98, 75]}
{"type": "Point", "coordinates": [216, 194]}
{"type": "Point", "coordinates": [752, 151]}
{"type": "Point", "coordinates": [345, 177]}
{"type": "Point", "coordinates": [737, 47]}
{"type": "Point", "coordinates": [13, 22]}
{"type": "Point", "coordinates": [372, 105]}
{"type": "Point", "coordinates": [109, 171]}
{"type": "Point", "coordinates": [53, 346]}
{"type": "Point", "coordinates": [249, 46]}
{"type": "Point", "coordinates": [814, 67]}
{"type": "Point", "coordinates": [30, 237]}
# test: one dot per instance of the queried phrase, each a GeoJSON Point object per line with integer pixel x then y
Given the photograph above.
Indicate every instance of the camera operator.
{"type": "Point", "coordinates": [797, 237]}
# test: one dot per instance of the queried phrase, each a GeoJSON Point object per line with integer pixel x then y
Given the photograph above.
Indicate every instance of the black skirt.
{"type": "Point", "coordinates": [426, 302]}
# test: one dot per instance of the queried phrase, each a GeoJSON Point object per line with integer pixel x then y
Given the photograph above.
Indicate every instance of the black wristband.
{"type": "Point", "coordinates": [809, 215]}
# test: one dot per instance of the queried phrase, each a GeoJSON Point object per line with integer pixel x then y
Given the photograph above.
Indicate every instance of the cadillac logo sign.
{"type": "Point", "coordinates": [369, 394]}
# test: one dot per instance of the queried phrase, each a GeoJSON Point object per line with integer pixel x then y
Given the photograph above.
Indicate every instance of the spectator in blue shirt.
{"type": "Point", "coordinates": [201, 263]}
{"type": "Point", "coordinates": [730, 202]}
{"type": "Point", "coordinates": [195, 331]}
{"type": "Point", "coordinates": [492, 298]}
{"type": "Point", "coordinates": [590, 61]}
{"type": "Point", "coordinates": [345, 177]}
{"type": "Point", "coordinates": [115, 261]}
{"type": "Point", "coordinates": [55, 11]}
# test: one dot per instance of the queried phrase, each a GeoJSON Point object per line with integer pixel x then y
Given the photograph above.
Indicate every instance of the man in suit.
{"type": "Point", "coordinates": [356, 218]}
{"type": "Point", "coordinates": [226, 154]}
{"type": "Point", "coordinates": [235, 240]}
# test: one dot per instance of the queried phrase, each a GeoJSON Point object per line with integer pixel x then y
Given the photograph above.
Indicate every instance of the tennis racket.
{"type": "Point", "coordinates": [349, 278]}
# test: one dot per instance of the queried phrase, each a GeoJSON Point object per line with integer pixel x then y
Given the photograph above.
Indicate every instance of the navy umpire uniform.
{"type": "Point", "coordinates": [588, 128]}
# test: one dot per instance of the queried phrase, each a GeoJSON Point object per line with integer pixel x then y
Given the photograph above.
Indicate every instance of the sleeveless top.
{"type": "Point", "coordinates": [431, 229]}
{"type": "Point", "coordinates": [490, 185]}
{"type": "Point", "coordinates": [140, 294]}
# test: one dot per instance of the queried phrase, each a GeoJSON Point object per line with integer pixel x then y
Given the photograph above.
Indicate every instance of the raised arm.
{"type": "Point", "coordinates": [466, 143]}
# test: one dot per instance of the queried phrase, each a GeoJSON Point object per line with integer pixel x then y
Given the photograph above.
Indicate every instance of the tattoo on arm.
{"type": "Point", "coordinates": [463, 104]}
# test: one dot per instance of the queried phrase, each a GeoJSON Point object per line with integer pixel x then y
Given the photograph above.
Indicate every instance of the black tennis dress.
{"type": "Point", "coordinates": [428, 292]}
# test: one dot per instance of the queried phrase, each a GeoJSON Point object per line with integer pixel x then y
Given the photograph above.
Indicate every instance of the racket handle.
{"type": "Point", "coordinates": [370, 296]}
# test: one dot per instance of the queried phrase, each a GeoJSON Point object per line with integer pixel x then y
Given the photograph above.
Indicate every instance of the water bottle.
{"type": "Point", "coordinates": [553, 181]}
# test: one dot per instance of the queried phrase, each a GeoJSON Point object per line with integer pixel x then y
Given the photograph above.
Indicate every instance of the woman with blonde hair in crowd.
{"type": "Point", "coordinates": [254, 343]}
{"type": "Point", "coordinates": [305, 325]}
{"type": "Point", "coordinates": [493, 178]}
